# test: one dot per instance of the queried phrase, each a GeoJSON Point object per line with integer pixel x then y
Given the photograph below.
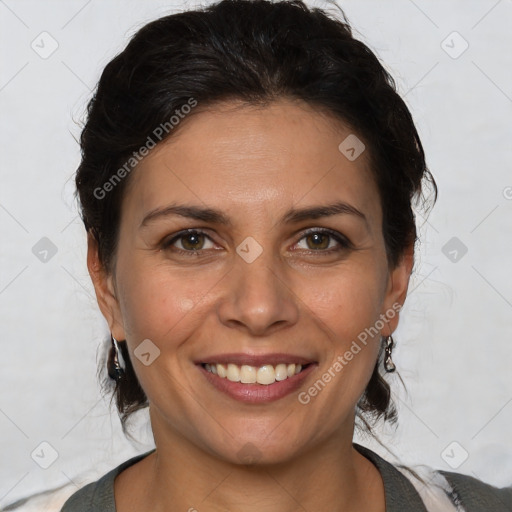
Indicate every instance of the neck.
{"type": "Point", "coordinates": [332, 476]}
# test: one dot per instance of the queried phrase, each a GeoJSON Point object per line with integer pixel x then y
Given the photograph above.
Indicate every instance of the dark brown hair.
{"type": "Point", "coordinates": [256, 51]}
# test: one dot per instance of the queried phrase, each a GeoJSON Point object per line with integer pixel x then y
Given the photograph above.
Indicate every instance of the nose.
{"type": "Point", "coordinates": [258, 296]}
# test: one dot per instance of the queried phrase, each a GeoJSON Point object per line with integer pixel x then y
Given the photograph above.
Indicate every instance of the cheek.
{"type": "Point", "coordinates": [159, 306]}
{"type": "Point", "coordinates": [347, 302]}
{"type": "Point", "coordinates": [155, 302]}
{"type": "Point", "coordinates": [348, 312]}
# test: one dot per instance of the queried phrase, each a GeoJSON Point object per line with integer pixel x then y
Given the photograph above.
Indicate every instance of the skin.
{"type": "Point", "coordinates": [253, 164]}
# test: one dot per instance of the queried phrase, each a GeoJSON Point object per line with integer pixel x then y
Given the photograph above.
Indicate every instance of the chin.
{"type": "Point", "coordinates": [258, 453]}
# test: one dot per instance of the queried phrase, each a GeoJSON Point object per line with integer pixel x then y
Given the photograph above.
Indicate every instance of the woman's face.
{"type": "Point", "coordinates": [257, 289]}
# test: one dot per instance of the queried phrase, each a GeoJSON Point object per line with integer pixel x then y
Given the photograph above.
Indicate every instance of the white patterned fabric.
{"type": "Point", "coordinates": [437, 493]}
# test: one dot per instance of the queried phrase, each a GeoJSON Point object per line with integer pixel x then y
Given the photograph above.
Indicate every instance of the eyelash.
{"type": "Point", "coordinates": [342, 241]}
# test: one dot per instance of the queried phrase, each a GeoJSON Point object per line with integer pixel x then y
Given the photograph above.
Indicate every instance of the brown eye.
{"type": "Point", "coordinates": [193, 241]}
{"type": "Point", "coordinates": [322, 241]}
{"type": "Point", "coordinates": [190, 241]}
{"type": "Point", "coordinates": [318, 241]}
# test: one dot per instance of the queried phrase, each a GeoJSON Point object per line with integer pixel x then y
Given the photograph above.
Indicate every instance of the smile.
{"type": "Point", "coordinates": [258, 384]}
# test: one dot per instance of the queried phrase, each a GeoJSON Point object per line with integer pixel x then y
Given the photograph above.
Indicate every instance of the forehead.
{"type": "Point", "coordinates": [261, 159]}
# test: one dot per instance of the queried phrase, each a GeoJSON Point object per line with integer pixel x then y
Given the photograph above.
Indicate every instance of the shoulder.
{"type": "Point", "coordinates": [62, 499]}
{"type": "Point", "coordinates": [92, 496]}
{"type": "Point", "coordinates": [98, 496]}
{"type": "Point", "coordinates": [82, 500]}
{"type": "Point", "coordinates": [434, 490]}
{"type": "Point", "coordinates": [475, 495]}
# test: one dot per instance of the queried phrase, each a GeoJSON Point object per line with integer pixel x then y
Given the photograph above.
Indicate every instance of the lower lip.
{"type": "Point", "coordinates": [258, 393]}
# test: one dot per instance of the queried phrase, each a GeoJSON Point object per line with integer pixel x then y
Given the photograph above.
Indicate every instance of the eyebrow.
{"type": "Point", "coordinates": [294, 215]}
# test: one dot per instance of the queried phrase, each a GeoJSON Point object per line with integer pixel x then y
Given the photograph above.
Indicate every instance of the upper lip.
{"type": "Point", "coordinates": [255, 360]}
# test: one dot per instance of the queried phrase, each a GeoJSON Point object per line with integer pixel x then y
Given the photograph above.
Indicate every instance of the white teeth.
{"type": "Point", "coordinates": [233, 373]}
{"type": "Point", "coordinates": [221, 370]}
{"type": "Point", "coordinates": [266, 374]}
{"type": "Point", "coordinates": [247, 374]}
{"type": "Point", "coordinates": [281, 372]}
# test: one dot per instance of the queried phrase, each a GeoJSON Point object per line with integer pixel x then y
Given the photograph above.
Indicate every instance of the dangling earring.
{"type": "Point", "coordinates": [388, 362]}
{"type": "Point", "coordinates": [115, 370]}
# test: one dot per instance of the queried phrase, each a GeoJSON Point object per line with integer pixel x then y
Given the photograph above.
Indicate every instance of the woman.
{"type": "Point", "coordinates": [247, 180]}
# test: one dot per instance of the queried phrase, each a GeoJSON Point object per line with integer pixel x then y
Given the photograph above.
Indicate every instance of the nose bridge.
{"type": "Point", "coordinates": [257, 270]}
{"type": "Point", "coordinates": [257, 295]}
{"type": "Point", "coordinates": [257, 274]}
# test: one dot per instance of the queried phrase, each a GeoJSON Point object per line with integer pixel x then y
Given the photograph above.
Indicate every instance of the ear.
{"type": "Point", "coordinates": [105, 291]}
{"type": "Point", "coordinates": [398, 283]}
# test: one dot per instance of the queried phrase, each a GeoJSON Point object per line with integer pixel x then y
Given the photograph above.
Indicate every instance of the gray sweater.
{"type": "Point", "coordinates": [401, 495]}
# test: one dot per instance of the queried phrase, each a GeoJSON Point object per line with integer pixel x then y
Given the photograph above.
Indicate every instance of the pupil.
{"type": "Point", "coordinates": [317, 237]}
{"type": "Point", "coordinates": [192, 237]}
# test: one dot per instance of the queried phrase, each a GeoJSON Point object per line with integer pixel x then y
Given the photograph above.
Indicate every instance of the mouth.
{"type": "Point", "coordinates": [256, 379]}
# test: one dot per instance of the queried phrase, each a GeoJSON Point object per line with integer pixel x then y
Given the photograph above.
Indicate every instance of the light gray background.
{"type": "Point", "coordinates": [454, 342]}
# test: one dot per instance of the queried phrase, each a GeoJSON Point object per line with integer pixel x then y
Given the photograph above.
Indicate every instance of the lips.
{"type": "Point", "coordinates": [253, 378]}
{"type": "Point", "coordinates": [258, 393]}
